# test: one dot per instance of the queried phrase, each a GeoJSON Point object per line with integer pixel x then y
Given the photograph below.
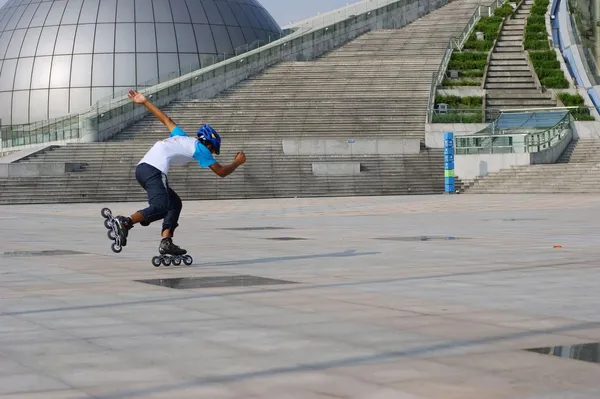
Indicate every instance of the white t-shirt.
{"type": "Point", "coordinates": [179, 149]}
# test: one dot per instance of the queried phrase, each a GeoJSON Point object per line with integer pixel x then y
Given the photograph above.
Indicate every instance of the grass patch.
{"type": "Point", "coordinates": [460, 109]}
{"type": "Point", "coordinates": [545, 61]}
{"type": "Point", "coordinates": [582, 113]}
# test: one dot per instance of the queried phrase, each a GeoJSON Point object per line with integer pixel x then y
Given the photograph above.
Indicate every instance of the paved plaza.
{"type": "Point", "coordinates": [413, 297]}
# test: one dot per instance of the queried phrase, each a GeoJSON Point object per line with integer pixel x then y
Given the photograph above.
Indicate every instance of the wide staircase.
{"type": "Point", "coordinates": [376, 86]}
{"type": "Point", "coordinates": [509, 81]}
{"type": "Point", "coordinates": [576, 171]}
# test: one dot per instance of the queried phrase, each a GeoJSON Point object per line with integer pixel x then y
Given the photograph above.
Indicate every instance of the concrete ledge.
{"type": "Point", "coordinates": [434, 132]}
{"type": "Point", "coordinates": [351, 146]}
{"type": "Point", "coordinates": [586, 130]}
{"type": "Point", "coordinates": [471, 167]}
{"type": "Point", "coordinates": [336, 168]}
{"type": "Point", "coordinates": [18, 155]}
{"type": "Point", "coordinates": [41, 169]}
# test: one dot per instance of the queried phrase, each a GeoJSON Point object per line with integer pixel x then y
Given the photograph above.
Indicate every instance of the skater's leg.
{"type": "Point", "coordinates": [170, 223]}
{"type": "Point", "coordinates": [154, 182]}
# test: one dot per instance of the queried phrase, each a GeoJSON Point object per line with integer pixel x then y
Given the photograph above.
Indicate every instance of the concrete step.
{"type": "Point", "coordinates": [503, 42]}
{"type": "Point", "coordinates": [510, 79]}
{"type": "Point", "coordinates": [508, 64]}
{"type": "Point", "coordinates": [520, 94]}
{"type": "Point", "coordinates": [517, 103]}
{"type": "Point", "coordinates": [509, 86]}
{"type": "Point", "coordinates": [508, 49]}
{"type": "Point", "coordinates": [508, 74]}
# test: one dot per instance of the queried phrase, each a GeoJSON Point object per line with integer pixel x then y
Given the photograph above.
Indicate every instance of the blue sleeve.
{"type": "Point", "coordinates": [177, 131]}
{"type": "Point", "coordinates": [203, 156]}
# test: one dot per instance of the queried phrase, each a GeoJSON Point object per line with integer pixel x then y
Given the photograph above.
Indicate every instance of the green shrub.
{"type": "Point", "coordinates": [466, 65]}
{"type": "Point", "coordinates": [555, 82]}
{"type": "Point", "coordinates": [461, 82]}
{"type": "Point", "coordinates": [458, 118]}
{"type": "Point", "coordinates": [478, 45]}
{"type": "Point", "coordinates": [456, 102]}
{"type": "Point", "coordinates": [548, 55]}
{"type": "Point", "coordinates": [473, 73]}
{"type": "Point", "coordinates": [571, 100]}
{"type": "Point", "coordinates": [504, 11]}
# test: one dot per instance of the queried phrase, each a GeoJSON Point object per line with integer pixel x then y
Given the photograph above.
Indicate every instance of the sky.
{"type": "Point", "coordinates": [285, 11]}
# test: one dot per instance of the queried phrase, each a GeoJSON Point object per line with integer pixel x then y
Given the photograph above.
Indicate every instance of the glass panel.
{"type": "Point", "coordinates": [180, 11]}
{"type": "Point", "coordinates": [226, 13]}
{"type": "Point", "coordinates": [237, 38]}
{"type": "Point", "coordinates": [165, 37]}
{"type": "Point", "coordinates": [125, 70]}
{"type": "Point", "coordinates": [100, 93]}
{"type": "Point", "coordinates": [250, 16]}
{"type": "Point", "coordinates": [58, 103]}
{"type": "Point", "coordinates": [204, 39]}
{"type": "Point", "coordinates": [197, 11]}
{"type": "Point", "coordinates": [102, 72]}
{"type": "Point", "coordinates": [64, 41]}
{"type": "Point", "coordinates": [261, 34]}
{"type": "Point", "coordinates": [8, 74]}
{"type": "Point", "coordinates": [5, 17]}
{"type": "Point", "coordinates": [240, 16]}
{"type": "Point", "coordinates": [145, 38]}
{"type": "Point", "coordinates": [47, 40]}
{"type": "Point", "coordinates": [212, 12]}
{"type": "Point", "coordinates": [167, 64]}
{"type": "Point", "coordinates": [125, 38]}
{"type": "Point", "coordinates": [221, 39]}
{"type": "Point", "coordinates": [89, 12]}
{"type": "Point", "coordinates": [105, 38]}
{"type": "Point", "coordinates": [146, 68]}
{"type": "Point", "coordinates": [20, 107]}
{"type": "Point", "coordinates": [143, 11]}
{"type": "Point", "coordinates": [79, 100]}
{"type": "Point", "coordinates": [162, 11]}
{"type": "Point", "coordinates": [61, 71]}
{"type": "Point", "coordinates": [187, 62]}
{"type": "Point", "coordinates": [23, 76]}
{"type": "Point", "coordinates": [41, 73]}
{"type": "Point", "coordinates": [84, 40]}
{"type": "Point", "coordinates": [185, 38]}
{"type": "Point", "coordinates": [30, 42]}
{"type": "Point", "coordinates": [107, 11]}
{"type": "Point", "coordinates": [27, 16]}
{"type": "Point", "coordinates": [125, 11]}
{"type": "Point", "coordinates": [40, 15]}
{"type": "Point", "coordinates": [249, 35]}
{"type": "Point", "coordinates": [81, 71]}
{"type": "Point", "coordinates": [259, 18]}
{"type": "Point", "coordinates": [15, 43]}
{"type": "Point", "coordinates": [56, 13]}
{"type": "Point", "coordinates": [71, 15]}
{"type": "Point", "coordinates": [12, 22]}
{"type": "Point", "coordinates": [38, 105]}
{"type": "Point", "coordinates": [5, 107]}
{"type": "Point", "coordinates": [4, 41]}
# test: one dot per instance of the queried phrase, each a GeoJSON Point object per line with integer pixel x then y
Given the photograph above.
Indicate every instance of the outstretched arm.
{"type": "Point", "coordinates": [226, 170]}
{"type": "Point", "coordinates": [139, 98]}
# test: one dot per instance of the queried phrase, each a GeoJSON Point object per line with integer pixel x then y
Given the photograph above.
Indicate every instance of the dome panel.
{"type": "Point", "coordinates": [58, 57]}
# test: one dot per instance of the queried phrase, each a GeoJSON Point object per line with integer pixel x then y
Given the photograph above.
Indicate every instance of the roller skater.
{"type": "Point", "coordinates": [151, 173]}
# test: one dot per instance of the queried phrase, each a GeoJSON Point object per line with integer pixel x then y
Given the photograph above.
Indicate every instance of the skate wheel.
{"type": "Point", "coordinates": [166, 262]}
{"type": "Point", "coordinates": [188, 260]}
{"type": "Point", "coordinates": [111, 235]}
{"type": "Point", "coordinates": [107, 224]}
{"type": "Point", "coordinates": [177, 261]}
{"type": "Point", "coordinates": [156, 261]}
{"type": "Point", "coordinates": [106, 213]}
{"type": "Point", "coordinates": [116, 247]}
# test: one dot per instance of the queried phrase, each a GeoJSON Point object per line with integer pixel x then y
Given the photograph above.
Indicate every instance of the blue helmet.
{"type": "Point", "coordinates": [210, 136]}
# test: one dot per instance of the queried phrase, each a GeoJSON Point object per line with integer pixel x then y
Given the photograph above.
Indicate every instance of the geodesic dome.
{"type": "Point", "coordinates": [61, 56]}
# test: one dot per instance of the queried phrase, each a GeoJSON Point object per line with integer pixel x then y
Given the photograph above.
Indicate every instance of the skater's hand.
{"type": "Point", "coordinates": [136, 97]}
{"type": "Point", "coordinates": [240, 158]}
